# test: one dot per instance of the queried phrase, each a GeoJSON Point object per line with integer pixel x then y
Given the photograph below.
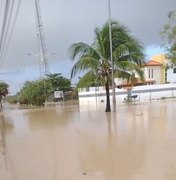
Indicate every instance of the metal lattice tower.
{"type": "Point", "coordinates": [43, 63]}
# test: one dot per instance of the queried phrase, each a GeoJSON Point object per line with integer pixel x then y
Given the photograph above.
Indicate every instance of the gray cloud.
{"type": "Point", "coordinates": [69, 21]}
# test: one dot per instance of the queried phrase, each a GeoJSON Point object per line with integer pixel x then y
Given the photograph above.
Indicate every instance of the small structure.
{"type": "Point", "coordinates": [154, 72]}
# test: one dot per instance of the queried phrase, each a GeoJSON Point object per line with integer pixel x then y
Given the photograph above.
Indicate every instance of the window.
{"type": "Point", "coordinates": [174, 70]}
{"type": "Point", "coordinates": [150, 73]}
{"type": "Point", "coordinates": [166, 76]}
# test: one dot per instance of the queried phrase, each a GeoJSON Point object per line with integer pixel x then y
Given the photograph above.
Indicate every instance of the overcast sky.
{"type": "Point", "coordinates": [69, 21]}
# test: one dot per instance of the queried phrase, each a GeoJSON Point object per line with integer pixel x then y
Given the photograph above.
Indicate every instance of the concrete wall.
{"type": "Point", "coordinates": [171, 77]}
{"type": "Point", "coordinates": [145, 93]}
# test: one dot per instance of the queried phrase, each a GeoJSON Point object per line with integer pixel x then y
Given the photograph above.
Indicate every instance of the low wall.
{"type": "Point", "coordinates": [144, 93]}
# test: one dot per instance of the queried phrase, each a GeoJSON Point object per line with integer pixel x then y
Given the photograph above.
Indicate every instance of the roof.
{"type": "Point", "coordinates": [161, 58]}
{"type": "Point", "coordinates": [153, 63]}
{"type": "Point", "coordinates": [138, 83]}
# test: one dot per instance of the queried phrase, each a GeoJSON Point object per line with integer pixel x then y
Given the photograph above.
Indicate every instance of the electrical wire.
{"type": "Point", "coordinates": [9, 15]}
{"type": "Point", "coordinates": [1, 7]}
{"type": "Point", "coordinates": [9, 18]}
{"type": "Point", "coordinates": [11, 31]}
{"type": "Point", "coordinates": [4, 25]}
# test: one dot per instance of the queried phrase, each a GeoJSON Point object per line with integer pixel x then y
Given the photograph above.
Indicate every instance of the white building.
{"type": "Point", "coordinates": [144, 93]}
{"type": "Point", "coordinates": [171, 75]}
{"type": "Point", "coordinates": [156, 74]}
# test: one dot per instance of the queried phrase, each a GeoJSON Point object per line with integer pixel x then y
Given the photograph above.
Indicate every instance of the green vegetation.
{"type": "Point", "coordinates": [169, 37]}
{"type": "Point", "coordinates": [94, 59]}
{"type": "Point", "coordinates": [58, 82]}
{"type": "Point", "coordinates": [3, 91]}
{"type": "Point", "coordinates": [37, 92]}
{"type": "Point", "coordinates": [34, 93]}
{"type": "Point", "coordinates": [12, 99]}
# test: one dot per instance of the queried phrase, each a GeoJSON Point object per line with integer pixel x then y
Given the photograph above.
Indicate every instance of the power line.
{"type": "Point", "coordinates": [4, 25]}
{"type": "Point", "coordinates": [11, 31]}
{"type": "Point", "coordinates": [9, 15]}
{"type": "Point", "coordinates": [9, 18]}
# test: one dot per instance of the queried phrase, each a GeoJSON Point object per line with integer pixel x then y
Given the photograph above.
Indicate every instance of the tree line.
{"type": "Point", "coordinates": [38, 91]}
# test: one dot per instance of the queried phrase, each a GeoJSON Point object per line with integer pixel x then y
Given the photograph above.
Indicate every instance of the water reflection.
{"type": "Point", "coordinates": [107, 151]}
{"type": "Point", "coordinates": [3, 139]}
{"type": "Point", "coordinates": [48, 118]}
{"type": "Point", "coordinates": [6, 127]}
{"type": "Point", "coordinates": [66, 142]}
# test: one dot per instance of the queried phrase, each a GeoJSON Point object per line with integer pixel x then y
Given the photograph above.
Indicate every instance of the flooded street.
{"type": "Point", "coordinates": [68, 142]}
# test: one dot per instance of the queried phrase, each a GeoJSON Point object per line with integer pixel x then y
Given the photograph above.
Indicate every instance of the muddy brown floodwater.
{"type": "Point", "coordinates": [68, 142]}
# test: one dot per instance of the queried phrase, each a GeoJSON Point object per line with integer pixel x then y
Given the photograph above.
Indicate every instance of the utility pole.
{"type": "Point", "coordinates": [43, 63]}
{"type": "Point", "coordinates": [111, 56]}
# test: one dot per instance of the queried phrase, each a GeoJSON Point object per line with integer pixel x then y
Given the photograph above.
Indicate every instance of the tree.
{"type": "Point", "coordinates": [37, 92]}
{"type": "Point", "coordinates": [3, 91]}
{"type": "Point", "coordinates": [34, 92]}
{"type": "Point", "coordinates": [12, 99]}
{"type": "Point", "coordinates": [168, 35]}
{"type": "Point", "coordinates": [94, 59]}
{"type": "Point", "coordinates": [58, 82]}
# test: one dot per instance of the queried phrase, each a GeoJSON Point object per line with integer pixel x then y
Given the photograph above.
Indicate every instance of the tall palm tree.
{"type": "Point", "coordinates": [94, 59]}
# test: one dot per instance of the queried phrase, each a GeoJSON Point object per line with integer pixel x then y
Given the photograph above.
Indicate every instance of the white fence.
{"type": "Point", "coordinates": [144, 93]}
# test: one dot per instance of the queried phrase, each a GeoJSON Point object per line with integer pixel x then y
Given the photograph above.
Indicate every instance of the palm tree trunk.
{"type": "Point", "coordinates": [108, 106]}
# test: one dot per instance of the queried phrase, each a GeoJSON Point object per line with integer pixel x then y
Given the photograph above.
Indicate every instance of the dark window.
{"type": "Point", "coordinates": [152, 73]}
{"type": "Point", "coordinates": [149, 73]}
{"type": "Point", "coordinates": [174, 70]}
{"type": "Point", "coordinates": [165, 75]}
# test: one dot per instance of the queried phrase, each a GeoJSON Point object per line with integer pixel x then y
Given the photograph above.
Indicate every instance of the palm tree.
{"type": "Point", "coordinates": [54, 80]}
{"type": "Point", "coordinates": [59, 82]}
{"type": "Point", "coordinates": [94, 59]}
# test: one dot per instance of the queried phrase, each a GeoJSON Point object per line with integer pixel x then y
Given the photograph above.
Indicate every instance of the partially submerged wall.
{"type": "Point", "coordinates": [144, 93]}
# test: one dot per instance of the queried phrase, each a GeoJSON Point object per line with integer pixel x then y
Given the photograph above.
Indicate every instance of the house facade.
{"type": "Point", "coordinates": [168, 73]}
{"type": "Point", "coordinates": [154, 72]}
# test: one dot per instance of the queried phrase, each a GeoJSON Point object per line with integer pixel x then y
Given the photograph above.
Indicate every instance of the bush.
{"type": "Point", "coordinates": [12, 99]}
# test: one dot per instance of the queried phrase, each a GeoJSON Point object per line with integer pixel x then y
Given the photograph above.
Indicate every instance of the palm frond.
{"type": "Point", "coordinates": [131, 57]}
{"type": "Point", "coordinates": [87, 79]}
{"type": "Point", "coordinates": [131, 67]}
{"type": "Point", "coordinates": [122, 74]}
{"type": "Point", "coordinates": [84, 63]}
{"type": "Point", "coordinates": [82, 49]}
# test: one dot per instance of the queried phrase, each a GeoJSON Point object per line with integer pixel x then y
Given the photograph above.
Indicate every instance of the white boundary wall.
{"type": "Point", "coordinates": [145, 93]}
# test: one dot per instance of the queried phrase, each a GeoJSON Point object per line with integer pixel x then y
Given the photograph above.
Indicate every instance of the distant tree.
{"type": "Point", "coordinates": [3, 91]}
{"type": "Point", "coordinates": [34, 92]}
{"type": "Point", "coordinates": [12, 99]}
{"type": "Point", "coordinates": [37, 92]}
{"type": "Point", "coordinates": [58, 82]}
{"type": "Point", "coordinates": [168, 35]}
{"type": "Point", "coordinates": [95, 61]}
